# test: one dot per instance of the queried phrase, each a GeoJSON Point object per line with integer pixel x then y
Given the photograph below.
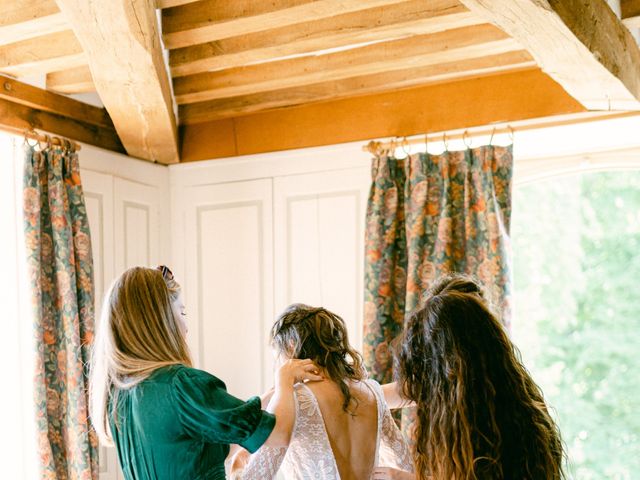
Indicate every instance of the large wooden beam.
{"type": "Point", "coordinates": [124, 52]}
{"type": "Point", "coordinates": [47, 53]}
{"type": "Point", "coordinates": [39, 99]}
{"type": "Point", "coordinates": [452, 45]}
{"type": "Point", "coordinates": [350, 87]}
{"type": "Point", "coordinates": [453, 105]}
{"type": "Point", "coordinates": [630, 13]}
{"type": "Point", "coordinates": [24, 19]}
{"type": "Point", "coordinates": [76, 80]}
{"type": "Point", "coordinates": [209, 20]}
{"type": "Point", "coordinates": [415, 17]}
{"type": "Point", "coordinates": [24, 107]}
{"type": "Point", "coordinates": [580, 44]}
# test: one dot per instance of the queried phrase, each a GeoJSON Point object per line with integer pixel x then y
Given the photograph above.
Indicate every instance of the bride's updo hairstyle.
{"type": "Point", "coordinates": [302, 332]}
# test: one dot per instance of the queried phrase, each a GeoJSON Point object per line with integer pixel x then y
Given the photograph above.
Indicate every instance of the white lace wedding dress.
{"type": "Point", "coordinates": [309, 455]}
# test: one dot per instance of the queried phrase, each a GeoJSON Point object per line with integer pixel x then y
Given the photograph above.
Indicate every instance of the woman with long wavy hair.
{"type": "Point", "coordinates": [480, 415]}
{"type": "Point", "coordinates": [168, 420]}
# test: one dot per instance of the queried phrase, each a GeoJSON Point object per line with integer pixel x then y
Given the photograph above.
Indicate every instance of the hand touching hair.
{"type": "Point", "coordinates": [302, 332]}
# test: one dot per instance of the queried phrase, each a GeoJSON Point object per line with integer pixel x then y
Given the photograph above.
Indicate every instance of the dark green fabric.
{"type": "Point", "coordinates": [178, 424]}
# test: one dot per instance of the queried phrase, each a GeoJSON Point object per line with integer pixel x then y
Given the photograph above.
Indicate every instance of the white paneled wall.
{"type": "Point", "coordinates": [125, 199]}
{"type": "Point", "coordinates": [252, 235]}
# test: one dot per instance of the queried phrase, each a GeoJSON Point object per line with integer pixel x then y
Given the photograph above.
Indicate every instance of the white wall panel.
{"type": "Point", "coordinates": [319, 238]}
{"type": "Point", "coordinates": [228, 281]}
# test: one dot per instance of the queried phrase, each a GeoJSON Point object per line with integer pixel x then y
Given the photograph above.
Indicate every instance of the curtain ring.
{"type": "Point", "coordinates": [446, 143]}
{"type": "Point", "coordinates": [26, 138]}
{"type": "Point", "coordinates": [465, 136]}
{"type": "Point", "coordinates": [404, 145]}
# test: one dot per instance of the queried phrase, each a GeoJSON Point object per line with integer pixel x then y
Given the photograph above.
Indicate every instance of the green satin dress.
{"type": "Point", "coordinates": [178, 424]}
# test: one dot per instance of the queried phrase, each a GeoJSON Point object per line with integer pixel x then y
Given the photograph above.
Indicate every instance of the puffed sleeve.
{"type": "Point", "coordinates": [207, 412]}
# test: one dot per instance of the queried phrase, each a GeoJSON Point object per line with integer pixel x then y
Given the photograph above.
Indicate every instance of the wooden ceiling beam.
{"type": "Point", "coordinates": [414, 76]}
{"type": "Point", "coordinates": [24, 19]}
{"type": "Point", "coordinates": [172, 3]}
{"type": "Point", "coordinates": [630, 13]}
{"type": "Point", "coordinates": [444, 47]}
{"type": "Point", "coordinates": [209, 20]}
{"type": "Point", "coordinates": [39, 99]}
{"type": "Point", "coordinates": [453, 105]}
{"type": "Point", "coordinates": [24, 107]}
{"type": "Point", "coordinates": [124, 52]}
{"type": "Point", "coordinates": [415, 17]}
{"type": "Point", "coordinates": [47, 53]}
{"type": "Point", "coordinates": [581, 45]}
{"type": "Point", "coordinates": [76, 80]}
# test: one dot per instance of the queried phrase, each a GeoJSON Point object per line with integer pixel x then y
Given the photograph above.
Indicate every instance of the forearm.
{"type": "Point", "coordinates": [282, 405]}
{"type": "Point", "coordinates": [394, 398]}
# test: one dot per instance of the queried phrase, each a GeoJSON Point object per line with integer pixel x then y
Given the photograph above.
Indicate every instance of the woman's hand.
{"type": "Point", "coordinates": [294, 371]}
{"type": "Point", "coordinates": [383, 473]}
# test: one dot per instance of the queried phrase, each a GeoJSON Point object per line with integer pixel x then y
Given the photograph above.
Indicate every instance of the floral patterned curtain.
{"type": "Point", "coordinates": [60, 270]}
{"type": "Point", "coordinates": [429, 215]}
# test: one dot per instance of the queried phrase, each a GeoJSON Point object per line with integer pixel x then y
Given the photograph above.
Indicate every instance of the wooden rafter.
{"type": "Point", "coordinates": [382, 23]}
{"type": "Point", "coordinates": [24, 19]}
{"type": "Point", "coordinates": [453, 105]}
{"type": "Point", "coordinates": [47, 53]}
{"type": "Point", "coordinates": [452, 45]}
{"type": "Point", "coordinates": [124, 52]}
{"type": "Point", "coordinates": [582, 45]}
{"type": "Point", "coordinates": [76, 80]}
{"type": "Point", "coordinates": [24, 107]}
{"type": "Point", "coordinates": [235, 106]}
{"type": "Point", "coordinates": [630, 13]}
{"type": "Point", "coordinates": [209, 20]}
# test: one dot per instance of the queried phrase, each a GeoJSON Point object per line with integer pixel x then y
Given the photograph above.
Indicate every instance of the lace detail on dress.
{"type": "Point", "coordinates": [309, 455]}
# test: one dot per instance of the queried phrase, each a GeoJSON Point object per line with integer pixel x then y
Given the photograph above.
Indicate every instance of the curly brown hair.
{"type": "Point", "coordinates": [480, 414]}
{"type": "Point", "coordinates": [302, 332]}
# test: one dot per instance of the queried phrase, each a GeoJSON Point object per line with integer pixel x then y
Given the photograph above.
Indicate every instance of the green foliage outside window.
{"type": "Point", "coordinates": [576, 252]}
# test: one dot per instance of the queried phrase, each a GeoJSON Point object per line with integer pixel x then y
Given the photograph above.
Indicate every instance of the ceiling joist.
{"type": "Point", "coordinates": [418, 51]}
{"type": "Point", "coordinates": [24, 19]}
{"type": "Point", "coordinates": [630, 13]}
{"type": "Point", "coordinates": [38, 55]}
{"type": "Point", "coordinates": [581, 45]}
{"type": "Point", "coordinates": [415, 17]}
{"type": "Point", "coordinates": [411, 77]}
{"type": "Point", "coordinates": [124, 52]}
{"type": "Point", "coordinates": [209, 20]}
{"type": "Point", "coordinates": [75, 80]}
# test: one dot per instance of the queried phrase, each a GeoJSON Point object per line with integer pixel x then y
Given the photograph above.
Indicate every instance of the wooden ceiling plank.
{"type": "Point", "coordinates": [414, 17]}
{"type": "Point", "coordinates": [172, 3]}
{"type": "Point", "coordinates": [454, 71]}
{"type": "Point", "coordinates": [453, 105]}
{"type": "Point", "coordinates": [76, 80]}
{"type": "Point", "coordinates": [47, 53]}
{"type": "Point", "coordinates": [124, 52]}
{"type": "Point", "coordinates": [24, 19]}
{"type": "Point", "coordinates": [600, 67]}
{"type": "Point", "coordinates": [39, 99]}
{"type": "Point", "coordinates": [444, 47]}
{"type": "Point", "coordinates": [630, 13]}
{"type": "Point", "coordinates": [209, 20]}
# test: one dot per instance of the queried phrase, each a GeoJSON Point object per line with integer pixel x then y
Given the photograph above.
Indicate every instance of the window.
{"type": "Point", "coordinates": [16, 414]}
{"type": "Point", "coordinates": [576, 252]}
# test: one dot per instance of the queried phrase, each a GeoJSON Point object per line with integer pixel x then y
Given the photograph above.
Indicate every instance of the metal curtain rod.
{"type": "Point", "coordinates": [43, 138]}
{"type": "Point", "coordinates": [377, 147]}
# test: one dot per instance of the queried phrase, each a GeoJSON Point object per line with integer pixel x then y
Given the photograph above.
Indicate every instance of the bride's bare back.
{"type": "Point", "coordinates": [353, 438]}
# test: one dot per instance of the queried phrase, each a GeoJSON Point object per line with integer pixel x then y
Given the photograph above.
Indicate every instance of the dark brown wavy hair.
{"type": "Point", "coordinates": [302, 331]}
{"type": "Point", "coordinates": [480, 414]}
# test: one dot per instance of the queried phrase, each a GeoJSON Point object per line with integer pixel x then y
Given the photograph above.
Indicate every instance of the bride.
{"type": "Point", "coordinates": [342, 426]}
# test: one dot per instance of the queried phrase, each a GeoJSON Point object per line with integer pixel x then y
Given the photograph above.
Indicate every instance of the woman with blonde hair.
{"type": "Point", "coordinates": [168, 420]}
